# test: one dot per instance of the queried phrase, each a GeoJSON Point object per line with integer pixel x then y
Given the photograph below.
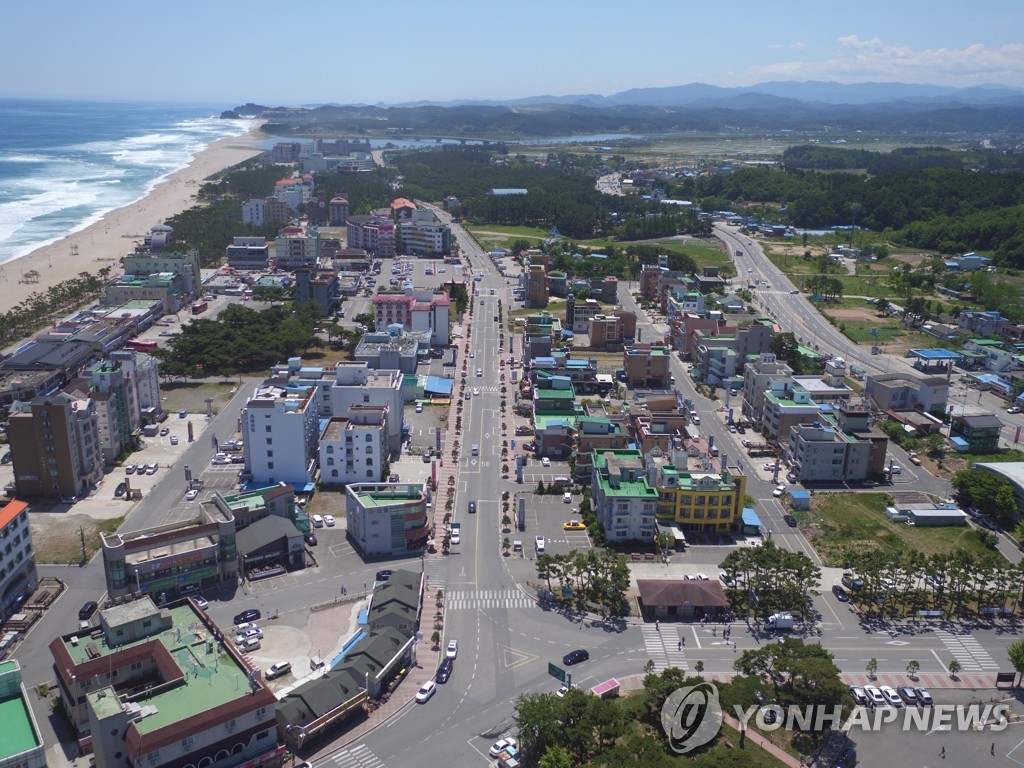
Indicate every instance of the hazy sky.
{"type": "Point", "coordinates": [280, 53]}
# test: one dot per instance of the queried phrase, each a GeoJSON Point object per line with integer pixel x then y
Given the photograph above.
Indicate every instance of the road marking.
{"type": "Point", "coordinates": [511, 658]}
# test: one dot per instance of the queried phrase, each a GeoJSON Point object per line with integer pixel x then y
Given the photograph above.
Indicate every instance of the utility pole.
{"type": "Point", "coordinates": [81, 533]}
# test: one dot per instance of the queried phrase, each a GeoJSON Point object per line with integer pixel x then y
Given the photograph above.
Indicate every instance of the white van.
{"type": "Point", "coordinates": [539, 542]}
{"type": "Point", "coordinates": [476, 449]}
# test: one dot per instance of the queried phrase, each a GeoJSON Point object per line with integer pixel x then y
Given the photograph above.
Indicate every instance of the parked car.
{"type": "Point", "coordinates": [908, 694]}
{"type": "Point", "coordinates": [311, 540]}
{"type": "Point", "coordinates": [574, 525]}
{"type": "Point", "coordinates": [201, 602]}
{"type": "Point", "coordinates": [427, 690]}
{"type": "Point", "coordinates": [247, 634]}
{"type": "Point", "coordinates": [191, 495]}
{"type": "Point", "coordinates": [1013, 409]}
{"type": "Point", "coordinates": [329, 521]}
{"type": "Point", "coordinates": [874, 695]}
{"type": "Point", "coordinates": [251, 614]}
{"type": "Point", "coordinates": [841, 594]}
{"type": "Point", "coordinates": [500, 746]}
{"type": "Point", "coordinates": [393, 478]}
{"type": "Point", "coordinates": [472, 507]}
{"type": "Point", "coordinates": [121, 488]}
{"type": "Point", "coordinates": [87, 610]}
{"type": "Point", "coordinates": [858, 694]}
{"type": "Point", "coordinates": [567, 497]}
{"type": "Point", "coordinates": [318, 521]}
{"type": "Point", "coordinates": [174, 439]}
{"type": "Point", "coordinates": [383, 575]}
{"type": "Point", "coordinates": [249, 644]}
{"type": "Point", "coordinates": [790, 520]}
{"type": "Point", "coordinates": [575, 657]}
{"type": "Point", "coordinates": [924, 697]}
{"type": "Point", "coordinates": [891, 697]}
{"type": "Point", "coordinates": [280, 669]}
{"type": "Point", "coordinates": [445, 671]}
{"type": "Point", "coordinates": [545, 462]}
{"type": "Point", "coordinates": [453, 650]}
{"type": "Point", "coordinates": [129, 469]}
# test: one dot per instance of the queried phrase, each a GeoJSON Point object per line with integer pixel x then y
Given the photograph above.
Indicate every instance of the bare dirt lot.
{"type": "Point", "coordinates": [853, 313]}
{"type": "Point", "coordinates": [57, 537]}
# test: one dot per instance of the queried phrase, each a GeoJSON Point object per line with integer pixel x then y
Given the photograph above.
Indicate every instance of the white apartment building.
{"type": "Point", "coordinates": [423, 235]}
{"type": "Point", "coordinates": [757, 378]}
{"type": "Point", "coordinates": [354, 449]}
{"type": "Point", "coordinates": [415, 310]}
{"type": "Point", "coordinates": [248, 253]}
{"type": "Point", "coordinates": [294, 250]}
{"type": "Point", "coordinates": [281, 426]}
{"type": "Point", "coordinates": [254, 212]}
{"type": "Point", "coordinates": [17, 559]}
{"type": "Point", "coordinates": [158, 262]}
{"type": "Point", "coordinates": [145, 370]}
{"type": "Point", "coordinates": [356, 383]}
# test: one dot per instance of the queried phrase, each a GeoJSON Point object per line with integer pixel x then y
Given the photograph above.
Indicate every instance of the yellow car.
{"type": "Point", "coordinates": [574, 525]}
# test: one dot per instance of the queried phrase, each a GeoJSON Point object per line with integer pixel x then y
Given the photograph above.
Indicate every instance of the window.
{"type": "Point", "coordinates": [330, 462]}
{"type": "Point", "coordinates": [334, 473]}
{"type": "Point", "coordinates": [270, 465]}
{"type": "Point", "coordinates": [330, 449]}
{"type": "Point", "coordinates": [267, 428]}
{"type": "Point", "coordinates": [369, 437]}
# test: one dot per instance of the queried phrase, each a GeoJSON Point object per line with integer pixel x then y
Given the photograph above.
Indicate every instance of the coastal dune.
{"type": "Point", "coordinates": [115, 235]}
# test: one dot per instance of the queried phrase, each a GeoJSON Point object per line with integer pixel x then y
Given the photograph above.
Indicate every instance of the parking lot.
{"type": "Point", "coordinates": [546, 516]}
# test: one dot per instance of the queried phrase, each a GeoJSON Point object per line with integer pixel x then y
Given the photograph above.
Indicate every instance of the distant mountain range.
{"type": "Point", "coordinates": [899, 107]}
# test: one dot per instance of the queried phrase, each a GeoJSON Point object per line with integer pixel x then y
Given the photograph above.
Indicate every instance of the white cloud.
{"type": "Point", "coordinates": [857, 60]}
{"type": "Point", "coordinates": [798, 46]}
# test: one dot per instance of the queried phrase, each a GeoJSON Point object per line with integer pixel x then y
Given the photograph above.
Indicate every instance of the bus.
{"type": "Point", "coordinates": [199, 307]}
{"type": "Point", "coordinates": [140, 345]}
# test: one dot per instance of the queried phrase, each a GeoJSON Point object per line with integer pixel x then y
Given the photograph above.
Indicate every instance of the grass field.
{"type": "Point", "coordinates": [855, 522]}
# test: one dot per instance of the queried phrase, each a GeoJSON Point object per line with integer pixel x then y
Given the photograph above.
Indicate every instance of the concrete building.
{"type": "Point", "coordinates": [356, 383]}
{"type": "Point", "coordinates": [295, 248]}
{"type": "Point", "coordinates": [295, 191]}
{"type": "Point", "coordinates": [167, 288]}
{"type": "Point", "coordinates": [905, 392]}
{"type": "Point", "coordinates": [646, 365]}
{"type": "Point", "coordinates": [623, 501]}
{"type": "Point", "coordinates": [786, 405]}
{"type": "Point", "coordinates": [281, 426]}
{"type": "Point", "coordinates": [578, 314]}
{"type": "Point", "coordinates": [838, 448]}
{"type": "Point", "coordinates": [144, 370]}
{"type": "Point", "coordinates": [423, 235]}
{"type": "Point", "coordinates": [975, 433]}
{"type": "Point", "coordinates": [119, 418]}
{"type": "Point", "coordinates": [131, 691]}
{"type": "Point", "coordinates": [22, 744]}
{"type": "Point", "coordinates": [251, 505]}
{"type": "Point", "coordinates": [354, 449]}
{"type": "Point", "coordinates": [416, 311]}
{"type": "Point", "coordinates": [18, 577]}
{"type": "Point", "coordinates": [248, 253]}
{"type": "Point", "coordinates": [156, 260]}
{"type": "Point", "coordinates": [605, 289]}
{"type": "Point", "coordinates": [186, 557]}
{"type": "Point", "coordinates": [374, 234]}
{"type": "Point", "coordinates": [596, 435]}
{"type": "Point", "coordinates": [758, 376]}
{"type": "Point", "coordinates": [390, 351]}
{"type": "Point", "coordinates": [265, 213]}
{"type": "Point", "coordinates": [988, 323]}
{"type": "Point", "coordinates": [55, 446]}
{"type": "Point", "coordinates": [387, 519]}
{"type": "Point", "coordinates": [718, 358]}
{"type": "Point", "coordinates": [319, 286]}
{"type": "Point", "coordinates": [693, 498]}
{"type": "Point", "coordinates": [535, 285]}
{"type": "Point", "coordinates": [337, 211]}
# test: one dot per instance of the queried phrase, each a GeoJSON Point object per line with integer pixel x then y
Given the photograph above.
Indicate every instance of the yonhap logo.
{"type": "Point", "coordinates": [691, 717]}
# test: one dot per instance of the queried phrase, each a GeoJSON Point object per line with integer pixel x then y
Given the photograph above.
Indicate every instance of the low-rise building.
{"type": "Point", "coordinates": [319, 286]}
{"type": "Point", "coordinates": [786, 405]}
{"type": "Point", "coordinates": [646, 365]}
{"type": "Point", "coordinates": [841, 447]}
{"type": "Point", "coordinates": [176, 558]}
{"type": "Point", "coordinates": [387, 519]}
{"type": "Point", "coordinates": [904, 392]}
{"type": "Point", "coordinates": [697, 501]}
{"type": "Point", "coordinates": [623, 501]}
{"type": "Point", "coordinates": [374, 234]}
{"type": "Point", "coordinates": [165, 287]}
{"type": "Point", "coordinates": [416, 311]}
{"type": "Point", "coordinates": [391, 351]}
{"type": "Point", "coordinates": [596, 435]}
{"type": "Point", "coordinates": [156, 257]}
{"type": "Point", "coordinates": [248, 253]}
{"type": "Point", "coordinates": [758, 376]}
{"type": "Point", "coordinates": [22, 745]}
{"type": "Point", "coordinates": [975, 433]}
{"type": "Point", "coordinates": [130, 690]}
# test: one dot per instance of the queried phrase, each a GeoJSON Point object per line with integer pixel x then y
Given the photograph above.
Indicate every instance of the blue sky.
{"type": "Point", "coordinates": [229, 52]}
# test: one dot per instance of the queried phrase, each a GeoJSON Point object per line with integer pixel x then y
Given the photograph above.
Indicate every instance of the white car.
{"type": "Point", "coordinates": [249, 644]}
{"type": "Point", "coordinates": [567, 497]}
{"type": "Point", "coordinates": [456, 537]}
{"type": "Point", "coordinates": [874, 695]}
{"type": "Point", "coordinates": [201, 603]}
{"type": "Point", "coordinates": [545, 462]}
{"type": "Point", "coordinates": [476, 391]}
{"type": "Point", "coordinates": [191, 495]}
{"type": "Point", "coordinates": [329, 521]}
{"type": "Point", "coordinates": [241, 637]}
{"type": "Point", "coordinates": [1013, 409]}
{"type": "Point", "coordinates": [472, 354]}
{"type": "Point", "coordinates": [423, 694]}
{"type": "Point", "coordinates": [318, 522]}
{"type": "Point", "coordinates": [768, 467]}
{"type": "Point", "coordinates": [891, 697]}
{"type": "Point", "coordinates": [221, 458]}
{"type": "Point", "coordinates": [479, 371]}
{"type": "Point", "coordinates": [453, 650]}
{"type": "Point", "coordinates": [500, 746]}
{"type": "Point", "coordinates": [241, 629]}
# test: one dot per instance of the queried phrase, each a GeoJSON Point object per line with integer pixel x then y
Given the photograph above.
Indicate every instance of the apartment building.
{"type": "Point", "coordinates": [786, 405]}
{"type": "Point", "coordinates": [55, 446]}
{"type": "Point", "coordinates": [131, 689]}
{"type": "Point", "coordinates": [319, 286]}
{"type": "Point", "coordinates": [185, 557]}
{"type": "Point", "coordinates": [356, 383]}
{"type": "Point", "coordinates": [281, 426]}
{"type": "Point", "coordinates": [169, 289]}
{"type": "Point", "coordinates": [646, 365]}
{"type": "Point", "coordinates": [374, 234]}
{"type": "Point", "coordinates": [296, 191]}
{"type": "Point", "coordinates": [841, 447]}
{"type": "Point", "coordinates": [144, 370]}
{"type": "Point", "coordinates": [578, 314]}
{"type": "Point", "coordinates": [416, 311]}
{"type": "Point", "coordinates": [337, 211]}
{"type": "Point", "coordinates": [158, 260]}
{"type": "Point", "coordinates": [248, 253]}
{"type": "Point", "coordinates": [354, 449]}
{"type": "Point", "coordinates": [295, 248]}
{"type": "Point", "coordinates": [387, 519]}
{"type": "Point", "coordinates": [624, 503]}
{"type": "Point", "coordinates": [18, 577]}
{"type": "Point", "coordinates": [424, 235]}
{"type": "Point", "coordinates": [265, 213]}
{"type": "Point", "coordinates": [595, 434]}
{"type": "Point", "coordinates": [718, 358]}
{"type": "Point", "coordinates": [758, 376]}
{"type": "Point", "coordinates": [694, 498]}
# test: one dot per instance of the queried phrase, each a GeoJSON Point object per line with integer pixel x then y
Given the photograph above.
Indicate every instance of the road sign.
{"type": "Point", "coordinates": [557, 672]}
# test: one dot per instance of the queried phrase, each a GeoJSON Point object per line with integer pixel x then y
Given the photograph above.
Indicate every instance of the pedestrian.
{"type": "Point", "coordinates": [942, 754]}
{"type": "Point", "coordinates": [734, 647]}
{"type": "Point", "coordinates": [993, 750]}
{"type": "Point", "coordinates": [657, 625]}
{"type": "Point", "coordinates": [714, 631]}
{"type": "Point", "coordinates": [680, 644]}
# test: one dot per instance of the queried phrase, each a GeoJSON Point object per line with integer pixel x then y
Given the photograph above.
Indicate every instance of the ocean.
{"type": "Point", "coordinates": [64, 164]}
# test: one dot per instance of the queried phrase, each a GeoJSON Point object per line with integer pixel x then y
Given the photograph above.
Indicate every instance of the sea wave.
{"type": "Point", "coordinates": [51, 192]}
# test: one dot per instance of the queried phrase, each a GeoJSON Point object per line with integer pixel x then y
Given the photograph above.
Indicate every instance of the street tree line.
{"type": "Point", "coordinates": [595, 578]}
{"type": "Point", "coordinates": [764, 580]}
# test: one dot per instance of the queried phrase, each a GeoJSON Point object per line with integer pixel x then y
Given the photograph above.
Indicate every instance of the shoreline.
{"type": "Point", "coordinates": [103, 243]}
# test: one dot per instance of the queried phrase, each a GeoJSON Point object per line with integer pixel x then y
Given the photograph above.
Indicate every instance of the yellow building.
{"type": "Point", "coordinates": [698, 501]}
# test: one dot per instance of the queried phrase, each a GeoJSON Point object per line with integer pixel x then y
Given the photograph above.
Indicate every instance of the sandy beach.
{"type": "Point", "coordinates": [104, 243]}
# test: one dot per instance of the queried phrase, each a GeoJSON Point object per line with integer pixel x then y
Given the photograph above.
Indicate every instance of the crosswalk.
{"type": "Point", "coordinates": [662, 647]}
{"type": "Point", "coordinates": [467, 600]}
{"type": "Point", "coordinates": [968, 651]}
{"type": "Point", "coordinates": [356, 757]}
